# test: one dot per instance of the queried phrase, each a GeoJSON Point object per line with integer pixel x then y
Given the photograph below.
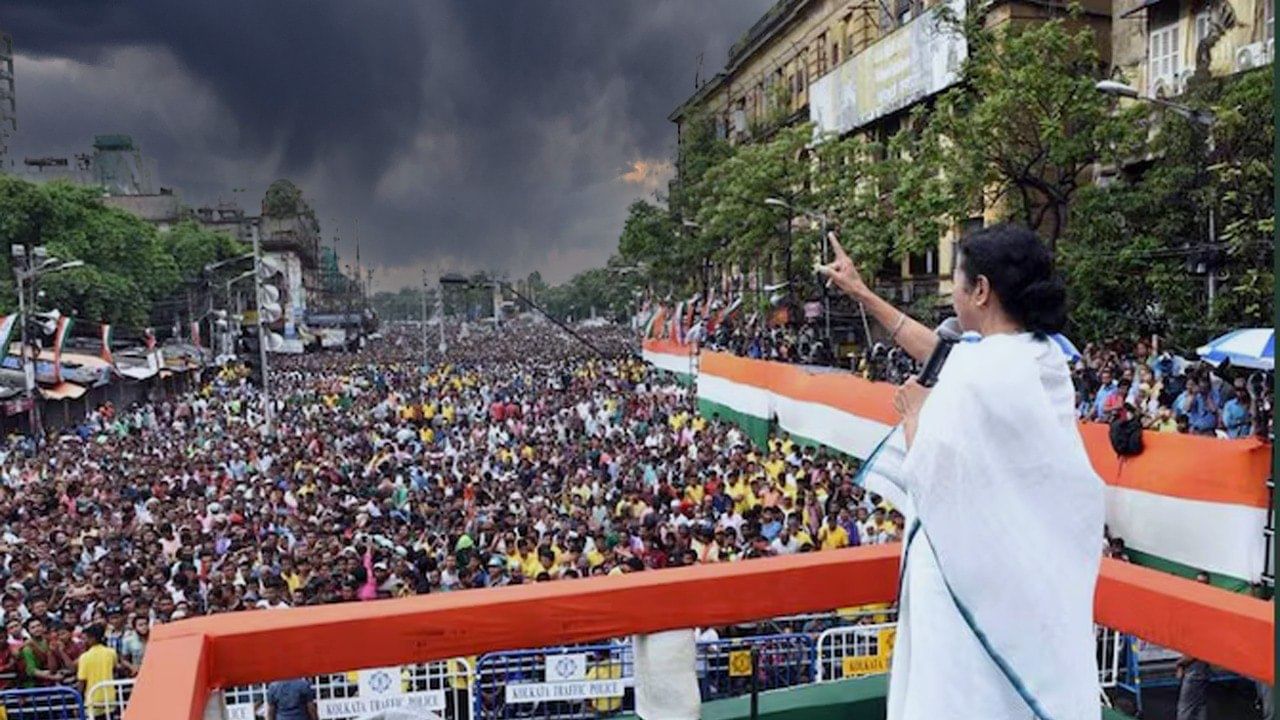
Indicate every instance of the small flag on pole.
{"type": "Point", "coordinates": [104, 333]}
{"type": "Point", "coordinates": [60, 335]}
{"type": "Point", "coordinates": [7, 325]}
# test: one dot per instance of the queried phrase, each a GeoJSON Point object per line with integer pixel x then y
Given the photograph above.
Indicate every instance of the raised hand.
{"type": "Point", "coordinates": [841, 271]}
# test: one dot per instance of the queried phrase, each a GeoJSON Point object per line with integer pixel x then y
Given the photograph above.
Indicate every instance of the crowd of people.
{"type": "Point", "coordinates": [1117, 380]}
{"type": "Point", "coordinates": [523, 455]}
{"type": "Point", "coordinates": [1135, 382]}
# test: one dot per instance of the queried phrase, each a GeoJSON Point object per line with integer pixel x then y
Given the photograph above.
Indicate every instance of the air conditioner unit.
{"type": "Point", "coordinates": [1250, 56]}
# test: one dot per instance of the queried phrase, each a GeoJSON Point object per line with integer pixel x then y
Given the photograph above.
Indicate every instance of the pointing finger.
{"type": "Point", "coordinates": [836, 248]}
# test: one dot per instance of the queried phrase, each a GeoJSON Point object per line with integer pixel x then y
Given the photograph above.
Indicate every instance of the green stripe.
{"type": "Point", "coordinates": [1173, 567]}
{"type": "Point", "coordinates": [756, 428]}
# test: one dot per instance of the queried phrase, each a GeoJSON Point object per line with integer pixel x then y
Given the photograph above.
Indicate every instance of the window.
{"type": "Point", "coordinates": [822, 55]}
{"type": "Point", "coordinates": [922, 264]}
{"type": "Point", "coordinates": [1202, 28]}
{"type": "Point", "coordinates": [1164, 54]}
{"type": "Point", "coordinates": [835, 54]}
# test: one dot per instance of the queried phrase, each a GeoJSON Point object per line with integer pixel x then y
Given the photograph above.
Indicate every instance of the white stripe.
{"type": "Point", "coordinates": [839, 429]}
{"type": "Point", "coordinates": [680, 364]}
{"type": "Point", "coordinates": [1218, 537]}
{"type": "Point", "coordinates": [747, 399]}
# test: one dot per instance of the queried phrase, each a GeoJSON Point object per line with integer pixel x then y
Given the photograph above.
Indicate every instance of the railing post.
{"type": "Point", "coordinates": [755, 682]}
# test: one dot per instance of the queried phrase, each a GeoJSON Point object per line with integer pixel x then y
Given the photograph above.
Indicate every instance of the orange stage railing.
{"type": "Point", "coordinates": [186, 660]}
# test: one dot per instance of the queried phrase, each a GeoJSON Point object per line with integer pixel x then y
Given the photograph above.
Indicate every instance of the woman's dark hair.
{"type": "Point", "coordinates": [1020, 270]}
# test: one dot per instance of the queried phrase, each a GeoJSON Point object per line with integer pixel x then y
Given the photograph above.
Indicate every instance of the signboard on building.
{"type": "Point", "coordinates": [918, 59]}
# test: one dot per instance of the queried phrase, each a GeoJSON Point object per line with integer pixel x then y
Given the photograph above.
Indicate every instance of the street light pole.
{"type": "Point", "coordinates": [267, 411]}
{"type": "Point", "coordinates": [1199, 116]}
{"type": "Point", "coordinates": [826, 294]}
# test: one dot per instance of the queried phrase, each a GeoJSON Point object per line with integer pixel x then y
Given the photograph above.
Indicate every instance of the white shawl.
{"type": "Point", "coordinates": [999, 574]}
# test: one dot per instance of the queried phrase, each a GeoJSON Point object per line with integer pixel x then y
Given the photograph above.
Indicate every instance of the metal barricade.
{"type": "Point", "coordinates": [724, 666]}
{"type": "Point", "coordinates": [108, 698]}
{"type": "Point", "coordinates": [47, 703]}
{"type": "Point", "coordinates": [854, 650]}
{"type": "Point", "coordinates": [560, 683]}
{"type": "Point", "coordinates": [1112, 646]}
{"type": "Point", "coordinates": [443, 688]}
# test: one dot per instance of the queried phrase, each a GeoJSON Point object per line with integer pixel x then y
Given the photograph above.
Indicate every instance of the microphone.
{"type": "Point", "coordinates": [948, 335]}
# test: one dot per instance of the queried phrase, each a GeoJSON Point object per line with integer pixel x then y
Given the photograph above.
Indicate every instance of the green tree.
{"type": "Point", "coordinates": [1019, 133]}
{"type": "Point", "coordinates": [193, 247]}
{"type": "Point", "coordinates": [735, 218]}
{"type": "Point", "coordinates": [1131, 250]}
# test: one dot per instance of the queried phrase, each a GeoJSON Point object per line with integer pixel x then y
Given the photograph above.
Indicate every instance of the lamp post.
{"type": "Point", "coordinates": [1199, 116]}
{"type": "Point", "coordinates": [29, 263]}
{"type": "Point", "coordinates": [825, 223]}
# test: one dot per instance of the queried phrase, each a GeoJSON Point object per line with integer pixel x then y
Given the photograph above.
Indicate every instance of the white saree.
{"type": "Point", "coordinates": [1004, 544]}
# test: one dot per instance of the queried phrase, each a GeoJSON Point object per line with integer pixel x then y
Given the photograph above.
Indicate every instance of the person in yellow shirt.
{"type": "Point", "coordinates": [95, 670]}
{"type": "Point", "coordinates": [426, 434]}
{"type": "Point", "coordinates": [832, 536]}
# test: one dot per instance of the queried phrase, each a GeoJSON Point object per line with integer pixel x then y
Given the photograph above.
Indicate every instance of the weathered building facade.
{"type": "Point", "coordinates": [1161, 44]}
{"type": "Point", "coordinates": [859, 68]}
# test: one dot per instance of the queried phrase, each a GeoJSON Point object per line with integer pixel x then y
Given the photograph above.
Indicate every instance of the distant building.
{"type": "Point", "coordinates": [1159, 45]}
{"type": "Point", "coordinates": [8, 101]}
{"type": "Point", "coordinates": [229, 218]}
{"type": "Point", "coordinates": [164, 210]}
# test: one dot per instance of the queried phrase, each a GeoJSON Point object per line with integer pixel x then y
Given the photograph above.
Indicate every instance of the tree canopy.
{"type": "Point", "coordinates": [129, 265]}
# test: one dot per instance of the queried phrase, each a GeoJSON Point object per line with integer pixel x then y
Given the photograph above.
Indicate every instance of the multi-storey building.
{"type": "Point", "coordinates": [8, 102]}
{"type": "Point", "coordinates": [858, 68]}
{"type": "Point", "coordinates": [1160, 44]}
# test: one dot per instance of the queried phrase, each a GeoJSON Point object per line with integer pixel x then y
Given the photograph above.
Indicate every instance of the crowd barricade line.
{"type": "Point", "coordinates": [445, 687]}
{"type": "Point", "coordinates": [110, 697]}
{"type": "Point", "coordinates": [44, 703]}
{"type": "Point", "coordinates": [854, 650]}
{"type": "Point", "coordinates": [557, 683]}
{"type": "Point", "coordinates": [1111, 651]}
{"type": "Point", "coordinates": [724, 666]}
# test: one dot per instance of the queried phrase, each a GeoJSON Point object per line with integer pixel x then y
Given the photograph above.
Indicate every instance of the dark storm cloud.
{"type": "Point", "coordinates": [493, 134]}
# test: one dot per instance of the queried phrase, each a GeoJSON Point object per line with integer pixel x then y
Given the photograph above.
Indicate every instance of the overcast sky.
{"type": "Point", "coordinates": [471, 133]}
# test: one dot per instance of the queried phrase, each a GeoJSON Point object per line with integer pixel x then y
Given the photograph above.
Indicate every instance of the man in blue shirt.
{"type": "Point", "coordinates": [291, 700]}
{"type": "Point", "coordinates": [1105, 391]}
{"type": "Point", "coordinates": [1199, 408]}
{"type": "Point", "coordinates": [1235, 415]}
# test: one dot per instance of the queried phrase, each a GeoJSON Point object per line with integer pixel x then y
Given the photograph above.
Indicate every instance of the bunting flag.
{"type": "Point", "coordinates": [7, 325]}
{"type": "Point", "coordinates": [104, 333]}
{"type": "Point", "coordinates": [655, 322]}
{"type": "Point", "coordinates": [195, 333]}
{"type": "Point", "coordinates": [1185, 504]}
{"type": "Point", "coordinates": [60, 335]}
{"type": "Point", "coordinates": [676, 331]}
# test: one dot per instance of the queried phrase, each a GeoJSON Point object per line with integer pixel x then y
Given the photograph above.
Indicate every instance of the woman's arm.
{"type": "Point", "coordinates": [914, 337]}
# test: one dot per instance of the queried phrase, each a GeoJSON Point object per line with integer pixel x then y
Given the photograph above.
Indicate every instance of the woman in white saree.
{"type": "Point", "coordinates": [1004, 541]}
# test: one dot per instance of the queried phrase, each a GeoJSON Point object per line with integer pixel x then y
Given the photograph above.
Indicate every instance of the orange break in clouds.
{"type": "Point", "coordinates": [647, 173]}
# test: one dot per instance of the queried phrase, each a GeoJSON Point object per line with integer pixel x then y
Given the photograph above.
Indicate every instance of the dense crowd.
{"type": "Point", "coordinates": [523, 456]}
{"type": "Point", "coordinates": [1161, 391]}
{"type": "Point", "coordinates": [1114, 381]}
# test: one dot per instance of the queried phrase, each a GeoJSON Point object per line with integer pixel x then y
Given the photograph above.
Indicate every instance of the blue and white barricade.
{"type": "Point", "coordinates": [560, 683]}
{"type": "Point", "coordinates": [48, 703]}
{"type": "Point", "coordinates": [854, 650]}
{"type": "Point", "coordinates": [724, 666]}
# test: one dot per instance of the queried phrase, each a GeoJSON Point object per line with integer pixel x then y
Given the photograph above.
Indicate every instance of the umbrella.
{"type": "Point", "coordinates": [1247, 348]}
{"type": "Point", "coordinates": [1067, 347]}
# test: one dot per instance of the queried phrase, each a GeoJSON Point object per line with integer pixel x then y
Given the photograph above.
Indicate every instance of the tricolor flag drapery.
{"type": "Point", "coordinates": [8, 324]}
{"type": "Point", "coordinates": [104, 334]}
{"type": "Point", "coordinates": [1185, 504]}
{"type": "Point", "coordinates": [60, 335]}
{"type": "Point", "coordinates": [195, 333]}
